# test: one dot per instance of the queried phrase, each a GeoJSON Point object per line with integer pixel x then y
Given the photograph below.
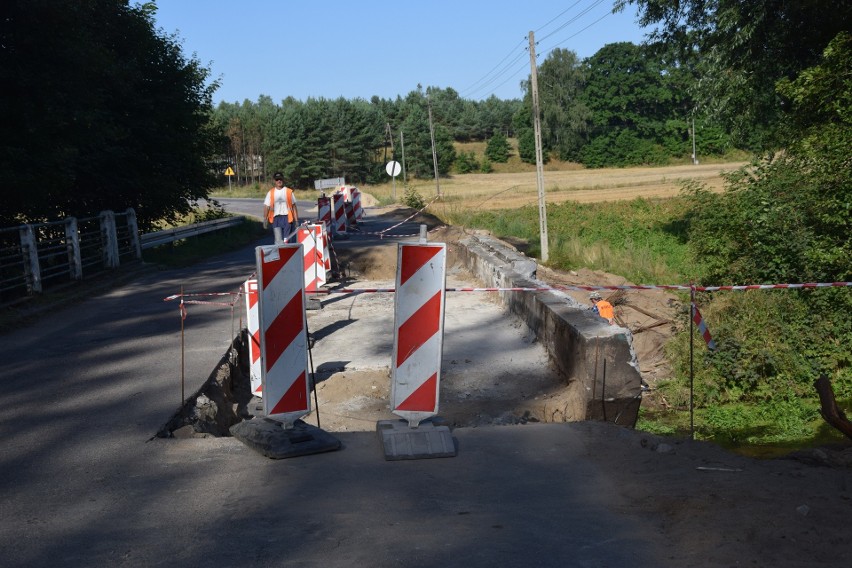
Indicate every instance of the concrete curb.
{"type": "Point", "coordinates": [597, 359]}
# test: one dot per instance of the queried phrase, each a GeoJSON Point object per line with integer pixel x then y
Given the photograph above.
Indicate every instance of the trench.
{"type": "Point", "coordinates": [225, 398]}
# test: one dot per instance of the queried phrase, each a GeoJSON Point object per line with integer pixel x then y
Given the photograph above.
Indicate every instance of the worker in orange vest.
{"type": "Point", "coordinates": [279, 210]}
{"type": "Point", "coordinates": [602, 307]}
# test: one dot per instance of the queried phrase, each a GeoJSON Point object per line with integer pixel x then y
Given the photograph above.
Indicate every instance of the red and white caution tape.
{"type": "Point", "coordinates": [559, 287]}
{"type": "Point", "coordinates": [384, 233]}
{"type": "Point", "coordinates": [774, 286]}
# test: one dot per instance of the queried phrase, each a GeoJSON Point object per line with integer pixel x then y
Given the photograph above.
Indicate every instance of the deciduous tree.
{"type": "Point", "coordinates": [101, 111]}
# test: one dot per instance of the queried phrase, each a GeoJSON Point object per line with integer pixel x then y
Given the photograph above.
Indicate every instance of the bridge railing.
{"type": "Point", "coordinates": [37, 256]}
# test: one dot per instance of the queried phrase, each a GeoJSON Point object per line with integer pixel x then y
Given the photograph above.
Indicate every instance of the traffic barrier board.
{"type": "Point", "coordinates": [418, 330]}
{"type": "Point", "coordinates": [283, 335]}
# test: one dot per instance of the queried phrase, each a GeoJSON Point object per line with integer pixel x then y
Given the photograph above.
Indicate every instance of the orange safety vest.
{"type": "Point", "coordinates": [290, 204]}
{"type": "Point", "coordinates": [605, 309]}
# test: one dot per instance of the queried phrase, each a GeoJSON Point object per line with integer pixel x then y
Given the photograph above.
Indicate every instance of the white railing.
{"type": "Point", "coordinates": [39, 254]}
{"type": "Point", "coordinates": [166, 236]}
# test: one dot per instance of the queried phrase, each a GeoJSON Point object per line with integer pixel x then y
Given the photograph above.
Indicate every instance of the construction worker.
{"type": "Point", "coordinates": [602, 307]}
{"type": "Point", "coordinates": [279, 210]}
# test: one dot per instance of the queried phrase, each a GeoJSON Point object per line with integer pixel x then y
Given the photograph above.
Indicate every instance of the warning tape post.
{"type": "Point", "coordinates": [253, 332]}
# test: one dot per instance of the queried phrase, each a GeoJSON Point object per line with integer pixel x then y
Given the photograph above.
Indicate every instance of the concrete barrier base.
{"type": "Point", "coordinates": [270, 438]}
{"type": "Point", "coordinates": [428, 440]}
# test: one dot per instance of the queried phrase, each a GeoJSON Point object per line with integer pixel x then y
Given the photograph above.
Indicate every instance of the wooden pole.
{"type": "Point", "coordinates": [691, 363]}
{"type": "Point", "coordinates": [539, 158]}
{"type": "Point", "coordinates": [182, 350]}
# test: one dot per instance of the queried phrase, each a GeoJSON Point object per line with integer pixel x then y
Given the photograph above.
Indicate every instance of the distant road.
{"type": "Point", "coordinates": [253, 207]}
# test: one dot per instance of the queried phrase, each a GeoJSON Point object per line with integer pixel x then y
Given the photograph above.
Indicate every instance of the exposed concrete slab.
{"type": "Point", "coordinates": [597, 358]}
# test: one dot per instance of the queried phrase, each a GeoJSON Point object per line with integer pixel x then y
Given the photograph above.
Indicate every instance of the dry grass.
{"type": "Point", "coordinates": [516, 189]}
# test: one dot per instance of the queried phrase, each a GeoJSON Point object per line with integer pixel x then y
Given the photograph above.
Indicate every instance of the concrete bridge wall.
{"type": "Point", "coordinates": [597, 359]}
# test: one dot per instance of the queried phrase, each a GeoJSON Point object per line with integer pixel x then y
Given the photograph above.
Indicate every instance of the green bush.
{"type": "Point", "coordinates": [412, 198]}
{"type": "Point", "coordinates": [498, 148]}
{"type": "Point", "coordinates": [623, 147]}
{"type": "Point", "coordinates": [466, 163]}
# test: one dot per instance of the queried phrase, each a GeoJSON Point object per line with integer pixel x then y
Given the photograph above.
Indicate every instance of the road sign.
{"type": "Point", "coordinates": [229, 172]}
{"type": "Point", "coordinates": [393, 168]}
{"type": "Point", "coordinates": [320, 184]}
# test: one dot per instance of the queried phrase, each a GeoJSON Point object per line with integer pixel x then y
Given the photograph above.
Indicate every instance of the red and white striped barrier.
{"type": "Point", "coordinates": [339, 221]}
{"type": "Point", "coordinates": [319, 240]}
{"type": "Point", "coordinates": [310, 237]}
{"type": "Point", "coordinates": [350, 213]}
{"type": "Point", "coordinates": [283, 332]}
{"type": "Point", "coordinates": [357, 210]}
{"type": "Point", "coordinates": [253, 328]}
{"type": "Point", "coordinates": [324, 210]}
{"type": "Point", "coordinates": [326, 258]}
{"type": "Point", "coordinates": [418, 331]}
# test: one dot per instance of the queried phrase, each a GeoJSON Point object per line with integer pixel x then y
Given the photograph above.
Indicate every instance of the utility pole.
{"type": "Point", "coordinates": [539, 159]}
{"type": "Point", "coordinates": [402, 146]}
{"type": "Point", "coordinates": [434, 153]}
{"type": "Point", "coordinates": [694, 157]}
{"type": "Point", "coordinates": [389, 135]}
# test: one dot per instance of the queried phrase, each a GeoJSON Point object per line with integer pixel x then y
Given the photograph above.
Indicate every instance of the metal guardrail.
{"type": "Point", "coordinates": [166, 236]}
{"type": "Point", "coordinates": [40, 255]}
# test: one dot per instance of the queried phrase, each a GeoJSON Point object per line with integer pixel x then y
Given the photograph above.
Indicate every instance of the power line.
{"type": "Point", "coordinates": [486, 84]}
{"type": "Point", "coordinates": [557, 16]}
{"type": "Point", "coordinates": [575, 34]}
{"type": "Point", "coordinates": [514, 49]}
{"type": "Point", "coordinates": [572, 20]}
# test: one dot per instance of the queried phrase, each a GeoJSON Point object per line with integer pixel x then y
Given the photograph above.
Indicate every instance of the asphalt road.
{"type": "Point", "coordinates": [254, 207]}
{"type": "Point", "coordinates": [84, 483]}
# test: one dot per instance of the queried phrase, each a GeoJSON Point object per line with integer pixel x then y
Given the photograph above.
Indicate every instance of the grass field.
{"type": "Point", "coordinates": [509, 190]}
{"type": "Point", "coordinates": [512, 190]}
{"type": "Point", "coordinates": [513, 184]}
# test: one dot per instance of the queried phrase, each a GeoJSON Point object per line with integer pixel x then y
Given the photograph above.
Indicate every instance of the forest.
{"type": "Point", "coordinates": [627, 105]}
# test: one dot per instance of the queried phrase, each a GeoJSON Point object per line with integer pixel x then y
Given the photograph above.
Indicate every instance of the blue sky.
{"type": "Point", "coordinates": [357, 49]}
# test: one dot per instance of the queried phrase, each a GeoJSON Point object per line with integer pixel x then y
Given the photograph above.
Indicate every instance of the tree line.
{"type": "Point", "coordinates": [322, 138]}
{"type": "Point", "coordinates": [626, 105]}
